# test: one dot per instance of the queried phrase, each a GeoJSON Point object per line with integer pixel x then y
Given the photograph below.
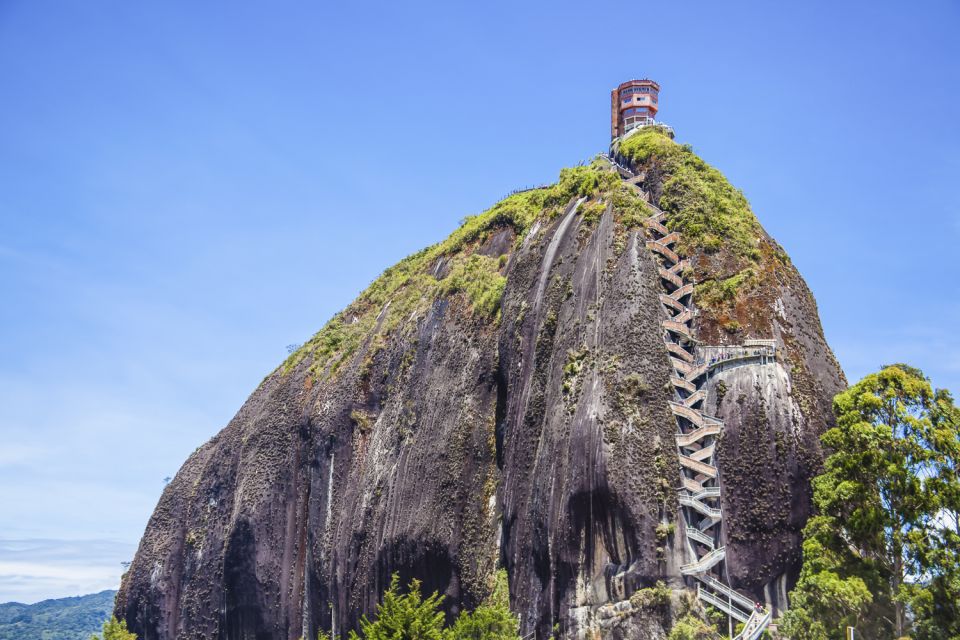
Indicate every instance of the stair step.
{"type": "Point", "coordinates": [699, 467]}
{"type": "Point", "coordinates": [663, 250]}
{"type": "Point", "coordinates": [680, 352]}
{"type": "Point", "coordinates": [671, 303]}
{"type": "Point", "coordinates": [702, 453]}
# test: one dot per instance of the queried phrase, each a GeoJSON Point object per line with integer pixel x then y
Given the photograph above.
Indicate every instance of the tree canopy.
{"type": "Point", "coordinates": [410, 616]}
{"type": "Point", "coordinates": [114, 629]}
{"type": "Point", "coordinates": [882, 554]}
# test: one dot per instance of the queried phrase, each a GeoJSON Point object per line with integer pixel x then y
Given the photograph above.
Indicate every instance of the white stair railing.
{"type": "Point", "coordinates": [697, 432]}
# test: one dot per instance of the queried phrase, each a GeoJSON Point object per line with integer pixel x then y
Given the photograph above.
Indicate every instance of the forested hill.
{"type": "Point", "coordinates": [61, 619]}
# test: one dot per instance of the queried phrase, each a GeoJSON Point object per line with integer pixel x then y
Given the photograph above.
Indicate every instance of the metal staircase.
{"type": "Point", "coordinates": [697, 433]}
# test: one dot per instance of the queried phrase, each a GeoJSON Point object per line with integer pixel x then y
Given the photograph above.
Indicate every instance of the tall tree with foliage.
{"type": "Point", "coordinates": [881, 554]}
{"type": "Point", "coordinates": [404, 616]}
{"type": "Point", "coordinates": [410, 616]}
{"type": "Point", "coordinates": [114, 629]}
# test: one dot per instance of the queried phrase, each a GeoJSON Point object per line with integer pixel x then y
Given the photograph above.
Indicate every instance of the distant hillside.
{"type": "Point", "coordinates": [62, 619]}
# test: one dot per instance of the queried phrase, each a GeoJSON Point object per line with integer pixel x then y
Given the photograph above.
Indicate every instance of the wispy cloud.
{"type": "Point", "coordinates": [36, 569]}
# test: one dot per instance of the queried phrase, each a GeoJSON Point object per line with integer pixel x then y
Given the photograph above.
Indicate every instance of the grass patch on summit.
{"type": "Point", "coordinates": [701, 204]}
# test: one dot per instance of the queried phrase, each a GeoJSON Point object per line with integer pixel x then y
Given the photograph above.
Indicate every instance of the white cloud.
{"type": "Point", "coordinates": [32, 570]}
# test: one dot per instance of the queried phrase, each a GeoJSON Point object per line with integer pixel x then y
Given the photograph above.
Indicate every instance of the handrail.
{"type": "Point", "coordinates": [682, 291]}
{"type": "Point", "coordinates": [706, 492]}
{"type": "Point", "coordinates": [670, 302]}
{"type": "Point", "coordinates": [680, 352]}
{"type": "Point", "coordinates": [663, 250]}
{"type": "Point", "coordinates": [670, 277]}
{"type": "Point", "coordinates": [726, 354]}
{"type": "Point", "coordinates": [656, 225]}
{"type": "Point", "coordinates": [704, 563]}
{"type": "Point", "coordinates": [722, 604]}
{"type": "Point", "coordinates": [700, 536]}
{"type": "Point", "coordinates": [676, 327]}
{"type": "Point", "coordinates": [692, 415]}
{"type": "Point", "coordinates": [754, 627]}
{"type": "Point", "coordinates": [696, 505]}
{"type": "Point", "coordinates": [700, 467]}
{"type": "Point", "coordinates": [697, 396]}
{"type": "Point", "coordinates": [716, 585]}
{"type": "Point", "coordinates": [682, 384]}
{"type": "Point", "coordinates": [702, 453]}
{"type": "Point", "coordinates": [640, 125]}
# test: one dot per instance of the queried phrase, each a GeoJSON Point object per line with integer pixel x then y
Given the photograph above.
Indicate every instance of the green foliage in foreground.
{"type": "Point", "coordinates": [410, 616]}
{"type": "Point", "coordinates": [59, 619]}
{"type": "Point", "coordinates": [690, 627]}
{"type": "Point", "coordinates": [114, 630]}
{"type": "Point", "coordinates": [706, 209]}
{"type": "Point", "coordinates": [883, 552]}
{"type": "Point", "coordinates": [409, 288]}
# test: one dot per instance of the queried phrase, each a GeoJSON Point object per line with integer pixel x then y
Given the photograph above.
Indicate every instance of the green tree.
{"type": "Point", "coordinates": [404, 616]}
{"type": "Point", "coordinates": [486, 622]}
{"type": "Point", "coordinates": [410, 616]}
{"type": "Point", "coordinates": [881, 554]}
{"type": "Point", "coordinates": [114, 629]}
{"type": "Point", "coordinates": [492, 620]}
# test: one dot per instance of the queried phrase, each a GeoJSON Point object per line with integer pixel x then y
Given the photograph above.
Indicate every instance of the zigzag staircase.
{"type": "Point", "coordinates": [697, 433]}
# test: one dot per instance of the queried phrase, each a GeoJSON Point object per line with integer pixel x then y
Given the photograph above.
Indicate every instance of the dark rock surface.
{"type": "Point", "coordinates": [542, 442]}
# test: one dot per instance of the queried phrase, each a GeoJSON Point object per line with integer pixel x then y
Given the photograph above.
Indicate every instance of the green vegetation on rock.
{"type": "Point", "coordinates": [883, 553]}
{"type": "Point", "coordinates": [651, 597]}
{"type": "Point", "coordinates": [701, 204]}
{"type": "Point", "coordinates": [409, 288]}
{"type": "Point", "coordinates": [713, 293]}
{"type": "Point", "coordinates": [479, 277]}
{"type": "Point", "coordinates": [689, 627]}
{"type": "Point", "coordinates": [711, 215]}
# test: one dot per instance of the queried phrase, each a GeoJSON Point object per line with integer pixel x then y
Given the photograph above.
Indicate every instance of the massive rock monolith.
{"type": "Point", "coordinates": [501, 400]}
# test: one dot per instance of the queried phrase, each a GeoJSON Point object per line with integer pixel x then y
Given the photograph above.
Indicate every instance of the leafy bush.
{"type": "Point", "coordinates": [575, 362]}
{"type": "Point", "coordinates": [707, 210]}
{"type": "Point", "coordinates": [406, 616]}
{"type": "Point", "coordinates": [690, 627]}
{"type": "Point", "coordinates": [115, 630]}
{"type": "Point", "coordinates": [479, 277]}
{"type": "Point", "coordinates": [713, 294]}
{"type": "Point", "coordinates": [651, 597]}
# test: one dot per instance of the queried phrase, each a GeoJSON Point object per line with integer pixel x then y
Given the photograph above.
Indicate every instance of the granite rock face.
{"type": "Point", "coordinates": [454, 442]}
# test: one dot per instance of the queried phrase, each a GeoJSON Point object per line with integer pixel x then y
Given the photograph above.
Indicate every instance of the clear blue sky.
{"type": "Point", "coordinates": [187, 187]}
